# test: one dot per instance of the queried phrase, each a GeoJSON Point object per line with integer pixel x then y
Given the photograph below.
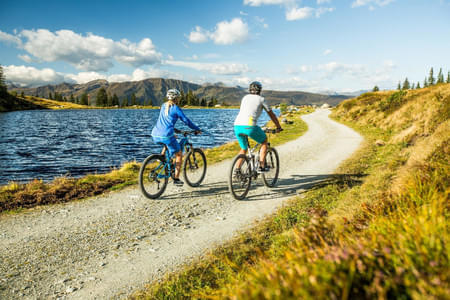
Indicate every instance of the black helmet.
{"type": "Point", "coordinates": [255, 87]}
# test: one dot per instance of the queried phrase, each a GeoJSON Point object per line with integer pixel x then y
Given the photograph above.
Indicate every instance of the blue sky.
{"type": "Point", "coordinates": [307, 45]}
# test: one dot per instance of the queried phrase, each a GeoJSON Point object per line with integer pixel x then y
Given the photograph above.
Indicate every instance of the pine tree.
{"type": "Point", "coordinates": [72, 98]}
{"type": "Point", "coordinates": [115, 100]}
{"type": "Point", "coordinates": [440, 78]}
{"type": "Point", "coordinates": [133, 99]}
{"type": "Point", "coordinates": [406, 85]}
{"type": "Point", "coordinates": [3, 87]}
{"type": "Point", "coordinates": [84, 99]}
{"type": "Point", "coordinates": [102, 98]}
{"type": "Point", "coordinates": [431, 79]}
{"type": "Point", "coordinates": [413, 86]}
{"type": "Point", "coordinates": [418, 85]}
{"type": "Point", "coordinates": [425, 82]}
{"type": "Point", "coordinates": [22, 95]}
{"type": "Point", "coordinates": [399, 87]}
{"type": "Point", "coordinates": [376, 88]}
{"type": "Point", "coordinates": [50, 96]}
{"type": "Point", "coordinates": [448, 77]}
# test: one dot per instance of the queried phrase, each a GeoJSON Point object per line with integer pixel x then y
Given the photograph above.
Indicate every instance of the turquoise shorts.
{"type": "Point", "coordinates": [255, 132]}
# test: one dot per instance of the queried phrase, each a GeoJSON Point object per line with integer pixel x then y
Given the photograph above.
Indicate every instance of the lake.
{"type": "Point", "coordinates": [45, 144]}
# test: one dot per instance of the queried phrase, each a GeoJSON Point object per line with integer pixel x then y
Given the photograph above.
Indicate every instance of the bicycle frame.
{"type": "Point", "coordinates": [185, 146]}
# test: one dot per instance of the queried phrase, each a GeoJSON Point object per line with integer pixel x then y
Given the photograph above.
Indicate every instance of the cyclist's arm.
{"type": "Point", "coordinates": [186, 120]}
{"type": "Point", "coordinates": [274, 119]}
{"type": "Point", "coordinates": [272, 116]}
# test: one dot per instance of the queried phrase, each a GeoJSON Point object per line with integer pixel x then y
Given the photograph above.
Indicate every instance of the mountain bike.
{"type": "Point", "coordinates": [244, 169]}
{"type": "Point", "coordinates": [158, 168]}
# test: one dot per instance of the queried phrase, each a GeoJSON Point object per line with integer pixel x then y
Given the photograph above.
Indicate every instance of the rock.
{"type": "Point", "coordinates": [380, 143]}
{"type": "Point", "coordinates": [70, 290]}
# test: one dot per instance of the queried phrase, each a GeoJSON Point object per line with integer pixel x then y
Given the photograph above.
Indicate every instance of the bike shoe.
{"type": "Point", "coordinates": [263, 169]}
{"type": "Point", "coordinates": [178, 182]}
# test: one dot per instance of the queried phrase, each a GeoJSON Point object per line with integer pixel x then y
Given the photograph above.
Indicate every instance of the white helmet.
{"type": "Point", "coordinates": [173, 94]}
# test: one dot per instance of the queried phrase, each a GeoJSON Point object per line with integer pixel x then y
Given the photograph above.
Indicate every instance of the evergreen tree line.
{"type": "Point", "coordinates": [193, 100]}
{"type": "Point", "coordinates": [428, 81]}
{"type": "Point", "coordinates": [3, 88]}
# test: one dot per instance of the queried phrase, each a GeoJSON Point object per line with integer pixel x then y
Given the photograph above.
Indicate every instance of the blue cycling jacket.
{"type": "Point", "coordinates": [164, 125]}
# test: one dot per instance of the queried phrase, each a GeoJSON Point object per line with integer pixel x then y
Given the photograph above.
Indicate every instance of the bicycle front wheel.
{"type": "Point", "coordinates": [240, 177]}
{"type": "Point", "coordinates": [270, 178]}
{"type": "Point", "coordinates": [153, 176]}
{"type": "Point", "coordinates": [194, 167]}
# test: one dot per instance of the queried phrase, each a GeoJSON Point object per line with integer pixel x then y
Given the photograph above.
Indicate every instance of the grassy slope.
{"type": "Point", "coordinates": [380, 232]}
{"type": "Point", "coordinates": [29, 102]}
{"type": "Point", "coordinates": [16, 196]}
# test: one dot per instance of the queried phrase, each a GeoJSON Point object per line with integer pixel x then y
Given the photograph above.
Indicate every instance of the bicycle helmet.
{"type": "Point", "coordinates": [173, 94]}
{"type": "Point", "coordinates": [255, 87]}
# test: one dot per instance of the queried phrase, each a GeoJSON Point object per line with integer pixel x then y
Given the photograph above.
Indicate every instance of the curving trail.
{"type": "Point", "coordinates": [109, 246]}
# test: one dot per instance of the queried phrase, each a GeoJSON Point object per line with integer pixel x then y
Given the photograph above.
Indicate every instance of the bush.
{"type": "Point", "coordinates": [393, 102]}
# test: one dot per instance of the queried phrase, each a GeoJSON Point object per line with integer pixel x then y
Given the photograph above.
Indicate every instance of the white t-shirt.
{"type": "Point", "coordinates": [251, 108]}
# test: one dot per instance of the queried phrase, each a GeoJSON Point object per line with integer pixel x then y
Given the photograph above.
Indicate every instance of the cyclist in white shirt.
{"type": "Point", "coordinates": [246, 122]}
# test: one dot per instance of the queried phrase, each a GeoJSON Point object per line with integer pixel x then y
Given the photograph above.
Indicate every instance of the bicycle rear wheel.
{"type": "Point", "coordinates": [239, 179]}
{"type": "Point", "coordinates": [194, 167]}
{"type": "Point", "coordinates": [153, 176]}
{"type": "Point", "coordinates": [270, 178]}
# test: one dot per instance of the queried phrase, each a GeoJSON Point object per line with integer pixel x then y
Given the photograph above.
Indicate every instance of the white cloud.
{"type": "Point", "coordinates": [10, 39]}
{"type": "Point", "coordinates": [30, 76]}
{"type": "Point", "coordinates": [293, 70]}
{"type": "Point", "coordinates": [199, 35]}
{"type": "Point", "coordinates": [296, 13]}
{"type": "Point", "coordinates": [358, 3]}
{"type": "Point", "coordinates": [327, 52]}
{"type": "Point", "coordinates": [267, 2]}
{"type": "Point", "coordinates": [293, 12]}
{"type": "Point", "coordinates": [225, 33]}
{"type": "Point", "coordinates": [88, 53]}
{"type": "Point", "coordinates": [301, 13]}
{"type": "Point", "coordinates": [214, 68]}
{"type": "Point", "coordinates": [230, 32]}
{"type": "Point", "coordinates": [25, 58]}
{"type": "Point", "coordinates": [334, 68]}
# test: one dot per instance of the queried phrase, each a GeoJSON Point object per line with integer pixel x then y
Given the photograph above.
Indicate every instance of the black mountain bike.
{"type": "Point", "coordinates": [244, 169]}
{"type": "Point", "coordinates": [158, 168]}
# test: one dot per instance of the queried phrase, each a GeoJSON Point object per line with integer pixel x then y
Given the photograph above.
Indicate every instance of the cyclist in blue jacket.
{"type": "Point", "coordinates": [163, 132]}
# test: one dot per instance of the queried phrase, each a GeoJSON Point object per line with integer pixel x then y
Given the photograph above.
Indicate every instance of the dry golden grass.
{"type": "Point", "coordinates": [53, 104]}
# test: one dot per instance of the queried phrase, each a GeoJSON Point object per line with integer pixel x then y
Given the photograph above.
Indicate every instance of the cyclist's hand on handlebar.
{"type": "Point", "coordinates": [279, 129]}
{"type": "Point", "coordinates": [177, 130]}
{"type": "Point", "coordinates": [197, 132]}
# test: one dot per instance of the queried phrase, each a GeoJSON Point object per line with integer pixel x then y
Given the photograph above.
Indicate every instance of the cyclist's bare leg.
{"type": "Point", "coordinates": [262, 154]}
{"type": "Point", "coordinates": [178, 161]}
{"type": "Point", "coordinates": [239, 163]}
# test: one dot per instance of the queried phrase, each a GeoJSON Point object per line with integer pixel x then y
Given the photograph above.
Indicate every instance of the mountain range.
{"type": "Point", "coordinates": [154, 89]}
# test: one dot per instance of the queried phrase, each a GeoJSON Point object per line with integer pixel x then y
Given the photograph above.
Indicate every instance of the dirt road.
{"type": "Point", "coordinates": [109, 246]}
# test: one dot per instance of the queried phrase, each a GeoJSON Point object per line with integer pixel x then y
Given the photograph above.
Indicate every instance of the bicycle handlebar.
{"type": "Point", "coordinates": [184, 132]}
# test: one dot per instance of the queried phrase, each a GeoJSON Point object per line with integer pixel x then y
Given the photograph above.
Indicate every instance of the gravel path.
{"type": "Point", "coordinates": [109, 246]}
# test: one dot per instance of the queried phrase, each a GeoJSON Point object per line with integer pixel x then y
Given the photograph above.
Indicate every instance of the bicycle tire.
{"type": "Point", "coordinates": [270, 178]}
{"type": "Point", "coordinates": [239, 184]}
{"type": "Point", "coordinates": [194, 167]}
{"type": "Point", "coordinates": [153, 176]}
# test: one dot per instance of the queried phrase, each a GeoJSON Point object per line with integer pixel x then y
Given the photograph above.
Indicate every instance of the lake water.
{"type": "Point", "coordinates": [44, 144]}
